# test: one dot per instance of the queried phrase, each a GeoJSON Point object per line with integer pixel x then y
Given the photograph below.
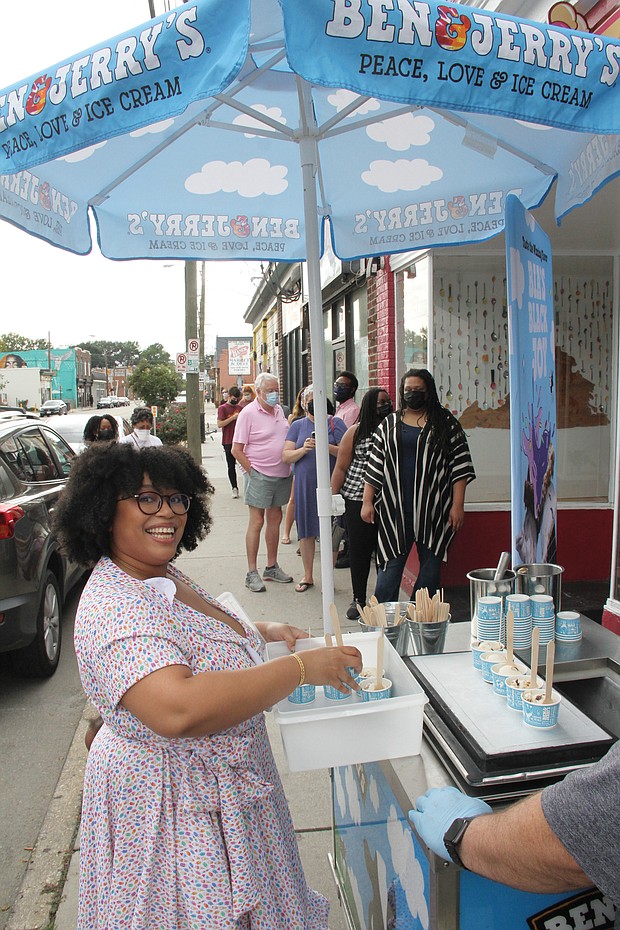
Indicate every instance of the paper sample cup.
{"type": "Point", "coordinates": [500, 672]}
{"type": "Point", "coordinates": [489, 607]}
{"type": "Point", "coordinates": [539, 715]}
{"type": "Point", "coordinates": [519, 604]}
{"type": "Point", "coordinates": [303, 694]}
{"type": "Point", "coordinates": [543, 607]}
{"type": "Point", "coordinates": [478, 649]}
{"type": "Point", "coordinates": [487, 661]}
{"type": "Point", "coordinates": [333, 694]}
{"type": "Point", "coordinates": [568, 626]}
{"type": "Point", "coordinates": [368, 692]}
{"type": "Point", "coordinates": [515, 687]}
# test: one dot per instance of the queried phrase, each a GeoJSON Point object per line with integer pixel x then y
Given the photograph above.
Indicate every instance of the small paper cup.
{"type": "Point", "coordinates": [489, 607]}
{"type": "Point", "coordinates": [368, 692]}
{"type": "Point", "coordinates": [568, 625]}
{"type": "Point", "coordinates": [539, 715]}
{"type": "Point", "coordinates": [515, 687]}
{"type": "Point", "coordinates": [500, 676]}
{"type": "Point", "coordinates": [366, 673]}
{"type": "Point", "coordinates": [543, 607]}
{"type": "Point", "coordinates": [487, 661]}
{"type": "Point", "coordinates": [519, 604]}
{"type": "Point", "coordinates": [478, 650]}
{"type": "Point", "coordinates": [303, 694]}
{"type": "Point", "coordinates": [333, 694]}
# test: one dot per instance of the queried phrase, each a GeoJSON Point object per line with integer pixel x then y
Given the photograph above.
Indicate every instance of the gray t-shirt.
{"type": "Point", "coordinates": [583, 811]}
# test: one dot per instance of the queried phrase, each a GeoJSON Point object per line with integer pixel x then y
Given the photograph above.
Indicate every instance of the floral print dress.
{"type": "Point", "coordinates": [188, 833]}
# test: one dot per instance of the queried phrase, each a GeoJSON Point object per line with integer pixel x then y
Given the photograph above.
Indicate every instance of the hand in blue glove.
{"type": "Point", "coordinates": [437, 810]}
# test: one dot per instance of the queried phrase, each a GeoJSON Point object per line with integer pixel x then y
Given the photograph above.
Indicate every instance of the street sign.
{"type": "Point", "coordinates": [181, 363]}
{"type": "Point", "coordinates": [193, 365]}
{"type": "Point", "coordinates": [193, 347]}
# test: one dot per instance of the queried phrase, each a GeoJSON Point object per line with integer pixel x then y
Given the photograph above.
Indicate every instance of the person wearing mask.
{"type": "Point", "coordinates": [226, 419]}
{"type": "Point", "coordinates": [348, 480]}
{"type": "Point", "coordinates": [418, 468]}
{"type": "Point", "coordinates": [562, 838]}
{"type": "Point", "coordinates": [142, 423]}
{"type": "Point", "coordinates": [101, 429]}
{"type": "Point", "coordinates": [248, 394]}
{"type": "Point", "coordinates": [258, 441]}
{"type": "Point", "coordinates": [345, 387]}
{"type": "Point", "coordinates": [299, 450]}
{"type": "Point", "coordinates": [297, 413]}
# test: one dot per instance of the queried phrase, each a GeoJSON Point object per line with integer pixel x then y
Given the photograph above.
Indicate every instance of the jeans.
{"type": "Point", "coordinates": [389, 578]}
{"type": "Point", "coordinates": [231, 461]}
{"type": "Point", "coordinates": [362, 545]}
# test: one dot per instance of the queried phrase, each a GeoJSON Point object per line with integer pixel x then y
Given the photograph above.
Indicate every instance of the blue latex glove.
{"type": "Point", "coordinates": [436, 810]}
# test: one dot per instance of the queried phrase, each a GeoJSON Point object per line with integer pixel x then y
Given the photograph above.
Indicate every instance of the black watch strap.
{"type": "Point", "coordinates": [453, 836]}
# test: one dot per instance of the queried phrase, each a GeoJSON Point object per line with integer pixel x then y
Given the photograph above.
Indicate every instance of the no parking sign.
{"type": "Point", "coordinates": [181, 363]}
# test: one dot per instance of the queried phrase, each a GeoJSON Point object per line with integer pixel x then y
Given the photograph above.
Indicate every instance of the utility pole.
{"type": "Point", "coordinates": [193, 411]}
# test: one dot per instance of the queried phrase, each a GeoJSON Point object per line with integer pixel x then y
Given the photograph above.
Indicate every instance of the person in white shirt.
{"type": "Point", "coordinates": [142, 422]}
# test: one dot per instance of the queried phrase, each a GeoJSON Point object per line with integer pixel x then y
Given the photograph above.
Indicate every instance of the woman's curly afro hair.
{"type": "Point", "coordinates": [104, 474]}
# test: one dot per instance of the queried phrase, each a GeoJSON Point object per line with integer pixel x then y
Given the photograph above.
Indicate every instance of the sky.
{"type": "Point", "coordinates": [80, 299]}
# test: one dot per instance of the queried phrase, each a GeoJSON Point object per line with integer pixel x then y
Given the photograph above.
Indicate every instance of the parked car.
{"type": "Point", "coordinates": [72, 428]}
{"type": "Point", "coordinates": [108, 401]}
{"type": "Point", "coordinates": [50, 407]}
{"type": "Point", "coordinates": [35, 577]}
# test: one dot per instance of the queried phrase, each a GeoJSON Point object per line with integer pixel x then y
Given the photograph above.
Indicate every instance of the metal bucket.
{"type": "Point", "coordinates": [481, 584]}
{"type": "Point", "coordinates": [428, 639]}
{"type": "Point", "coordinates": [541, 578]}
{"type": "Point", "coordinates": [397, 635]}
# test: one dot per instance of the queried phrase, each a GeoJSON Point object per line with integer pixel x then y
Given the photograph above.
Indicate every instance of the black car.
{"type": "Point", "coordinates": [35, 577]}
{"type": "Point", "coordinates": [51, 407]}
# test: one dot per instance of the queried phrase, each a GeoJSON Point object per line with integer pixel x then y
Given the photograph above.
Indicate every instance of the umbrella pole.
{"type": "Point", "coordinates": [308, 155]}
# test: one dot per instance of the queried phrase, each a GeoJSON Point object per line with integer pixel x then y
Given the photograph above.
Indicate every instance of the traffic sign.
{"type": "Point", "coordinates": [193, 347]}
{"type": "Point", "coordinates": [181, 362]}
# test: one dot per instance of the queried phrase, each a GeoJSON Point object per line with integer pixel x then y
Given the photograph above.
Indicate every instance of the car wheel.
{"type": "Point", "coordinates": [40, 658]}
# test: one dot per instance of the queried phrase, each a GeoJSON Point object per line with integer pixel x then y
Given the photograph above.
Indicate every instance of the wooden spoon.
{"type": "Point", "coordinates": [372, 600]}
{"type": "Point", "coordinates": [328, 640]}
{"type": "Point", "coordinates": [534, 659]}
{"type": "Point", "coordinates": [333, 611]}
{"type": "Point", "coordinates": [549, 672]}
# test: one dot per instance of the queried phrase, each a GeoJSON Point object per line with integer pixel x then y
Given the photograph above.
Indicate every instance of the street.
{"type": "Point", "coordinates": [38, 719]}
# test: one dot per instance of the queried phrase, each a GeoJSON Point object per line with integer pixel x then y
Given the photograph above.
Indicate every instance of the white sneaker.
{"type": "Point", "coordinates": [235, 493]}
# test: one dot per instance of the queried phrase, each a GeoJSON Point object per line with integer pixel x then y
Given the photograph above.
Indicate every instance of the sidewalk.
{"type": "Point", "coordinates": [219, 564]}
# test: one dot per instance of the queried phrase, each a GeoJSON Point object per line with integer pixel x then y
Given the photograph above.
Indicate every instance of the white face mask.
{"type": "Point", "coordinates": [142, 434]}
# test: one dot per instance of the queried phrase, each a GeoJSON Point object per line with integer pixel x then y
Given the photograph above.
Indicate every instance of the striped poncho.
{"type": "Point", "coordinates": [435, 475]}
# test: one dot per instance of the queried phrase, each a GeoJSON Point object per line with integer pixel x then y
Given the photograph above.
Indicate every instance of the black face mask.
{"type": "Point", "coordinates": [233, 400]}
{"type": "Point", "coordinates": [415, 400]}
{"type": "Point", "coordinates": [310, 407]}
{"type": "Point", "coordinates": [384, 410]}
{"type": "Point", "coordinates": [105, 434]}
{"type": "Point", "coordinates": [342, 392]}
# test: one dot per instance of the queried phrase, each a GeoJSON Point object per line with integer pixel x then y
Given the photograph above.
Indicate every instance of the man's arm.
{"type": "Point", "coordinates": [517, 847]}
{"type": "Point", "coordinates": [238, 452]}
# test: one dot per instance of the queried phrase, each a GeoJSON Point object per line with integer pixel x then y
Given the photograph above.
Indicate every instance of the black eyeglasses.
{"type": "Point", "coordinates": [150, 502]}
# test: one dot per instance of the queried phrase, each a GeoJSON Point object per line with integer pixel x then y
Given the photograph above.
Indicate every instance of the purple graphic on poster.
{"type": "Point", "coordinates": [532, 387]}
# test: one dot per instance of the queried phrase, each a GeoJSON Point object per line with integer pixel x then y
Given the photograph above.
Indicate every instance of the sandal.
{"type": "Point", "coordinates": [286, 540]}
{"type": "Point", "coordinates": [303, 586]}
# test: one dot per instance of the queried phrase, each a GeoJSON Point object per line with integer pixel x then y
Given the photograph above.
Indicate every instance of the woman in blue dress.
{"type": "Point", "coordinates": [299, 451]}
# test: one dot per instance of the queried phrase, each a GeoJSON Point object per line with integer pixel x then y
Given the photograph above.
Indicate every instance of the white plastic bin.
{"type": "Point", "coordinates": [325, 734]}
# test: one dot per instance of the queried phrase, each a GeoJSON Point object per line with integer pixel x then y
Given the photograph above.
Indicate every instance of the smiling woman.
{"type": "Point", "coordinates": [184, 817]}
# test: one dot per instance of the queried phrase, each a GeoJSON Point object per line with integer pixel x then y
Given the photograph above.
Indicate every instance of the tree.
{"type": "Point", "coordinates": [108, 354]}
{"type": "Point", "coordinates": [157, 385]}
{"type": "Point", "coordinates": [155, 354]}
{"type": "Point", "coordinates": [13, 342]}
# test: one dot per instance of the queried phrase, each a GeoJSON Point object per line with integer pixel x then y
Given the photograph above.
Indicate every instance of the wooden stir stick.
{"type": "Point", "coordinates": [549, 672]}
{"type": "Point", "coordinates": [534, 659]}
{"type": "Point", "coordinates": [333, 611]}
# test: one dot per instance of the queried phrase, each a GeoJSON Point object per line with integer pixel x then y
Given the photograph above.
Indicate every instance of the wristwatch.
{"type": "Point", "coordinates": [453, 836]}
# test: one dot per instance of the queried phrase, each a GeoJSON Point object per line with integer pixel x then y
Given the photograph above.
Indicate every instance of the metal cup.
{"type": "Point", "coordinates": [428, 639]}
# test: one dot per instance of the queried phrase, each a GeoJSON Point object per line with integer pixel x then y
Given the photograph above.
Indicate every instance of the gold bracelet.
{"type": "Point", "coordinates": [302, 668]}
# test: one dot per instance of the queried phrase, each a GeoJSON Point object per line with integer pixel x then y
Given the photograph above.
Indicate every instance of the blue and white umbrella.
{"type": "Point", "coordinates": [252, 129]}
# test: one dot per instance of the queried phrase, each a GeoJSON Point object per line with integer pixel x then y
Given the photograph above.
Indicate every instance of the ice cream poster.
{"type": "Point", "coordinates": [532, 387]}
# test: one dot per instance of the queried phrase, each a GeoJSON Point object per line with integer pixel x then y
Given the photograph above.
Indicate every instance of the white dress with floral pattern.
{"type": "Point", "coordinates": [178, 834]}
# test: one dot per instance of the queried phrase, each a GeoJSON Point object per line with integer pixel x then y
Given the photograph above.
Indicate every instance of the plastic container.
{"type": "Point", "coordinates": [541, 578]}
{"type": "Point", "coordinates": [331, 733]}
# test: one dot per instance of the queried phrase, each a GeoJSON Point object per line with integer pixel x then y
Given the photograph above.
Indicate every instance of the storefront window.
{"type": "Point", "coordinates": [413, 301]}
{"type": "Point", "coordinates": [470, 365]}
{"type": "Point", "coordinates": [359, 306]}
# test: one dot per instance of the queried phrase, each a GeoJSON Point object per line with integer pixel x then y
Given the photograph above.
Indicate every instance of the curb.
{"type": "Point", "coordinates": [41, 888]}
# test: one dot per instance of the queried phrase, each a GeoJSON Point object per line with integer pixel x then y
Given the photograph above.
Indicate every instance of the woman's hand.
{"type": "Point", "coordinates": [456, 517]}
{"type": "Point", "coordinates": [281, 633]}
{"type": "Point", "coordinates": [328, 666]}
{"type": "Point", "coordinates": [367, 513]}
{"type": "Point", "coordinates": [309, 444]}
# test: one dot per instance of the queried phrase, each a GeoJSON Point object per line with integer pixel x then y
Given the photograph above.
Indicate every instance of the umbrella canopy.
{"type": "Point", "coordinates": [251, 129]}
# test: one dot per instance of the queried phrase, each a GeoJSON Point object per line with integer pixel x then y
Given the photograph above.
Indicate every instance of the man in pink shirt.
{"type": "Point", "coordinates": [345, 387]}
{"type": "Point", "coordinates": [260, 433]}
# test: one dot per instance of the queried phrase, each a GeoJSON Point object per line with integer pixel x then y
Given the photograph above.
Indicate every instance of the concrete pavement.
{"type": "Point", "coordinates": [219, 564]}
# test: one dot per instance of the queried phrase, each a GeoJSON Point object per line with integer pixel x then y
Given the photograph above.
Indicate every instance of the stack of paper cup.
{"type": "Point", "coordinates": [568, 626]}
{"type": "Point", "coordinates": [489, 618]}
{"type": "Point", "coordinates": [543, 616]}
{"type": "Point", "coordinates": [522, 612]}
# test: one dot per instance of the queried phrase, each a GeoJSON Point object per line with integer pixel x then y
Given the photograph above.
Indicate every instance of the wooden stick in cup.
{"type": "Point", "coordinates": [534, 660]}
{"type": "Point", "coordinates": [328, 640]}
{"type": "Point", "coordinates": [333, 611]}
{"type": "Point", "coordinates": [549, 672]}
{"type": "Point", "coordinates": [372, 600]}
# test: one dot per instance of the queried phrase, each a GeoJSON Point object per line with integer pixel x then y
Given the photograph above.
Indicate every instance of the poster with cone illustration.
{"type": "Point", "coordinates": [531, 335]}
